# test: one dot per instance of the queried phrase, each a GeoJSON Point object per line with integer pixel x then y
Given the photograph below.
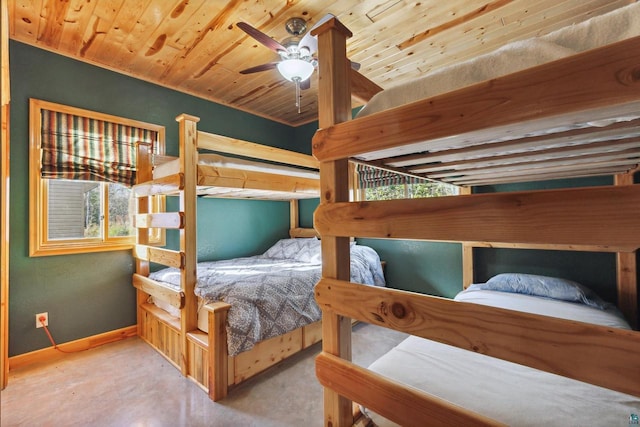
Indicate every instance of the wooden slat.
{"type": "Point", "coordinates": [406, 406]}
{"type": "Point", "coordinates": [303, 232]}
{"type": "Point", "coordinates": [362, 88]}
{"type": "Point", "coordinates": [550, 247]}
{"type": "Point", "coordinates": [166, 185]}
{"type": "Point", "coordinates": [547, 96]}
{"type": "Point", "coordinates": [244, 193]}
{"type": "Point", "coordinates": [159, 220]}
{"type": "Point", "coordinates": [592, 216]}
{"type": "Point", "coordinates": [239, 147]}
{"type": "Point", "coordinates": [567, 143]}
{"type": "Point", "coordinates": [162, 256]}
{"type": "Point", "coordinates": [236, 178]}
{"type": "Point", "coordinates": [157, 290]}
{"type": "Point", "coordinates": [267, 353]}
{"type": "Point", "coordinates": [595, 354]}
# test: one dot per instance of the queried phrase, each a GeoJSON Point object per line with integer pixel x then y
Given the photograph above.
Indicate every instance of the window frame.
{"type": "Point", "coordinates": [39, 243]}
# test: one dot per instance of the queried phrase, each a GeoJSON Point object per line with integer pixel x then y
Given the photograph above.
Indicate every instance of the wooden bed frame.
{"type": "Point", "coordinates": [593, 85]}
{"type": "Point", "coordinates": [200, 356]}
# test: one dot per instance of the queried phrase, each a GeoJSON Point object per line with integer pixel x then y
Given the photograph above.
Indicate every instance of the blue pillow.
{"type": "Point", "coordinates": [543, 286]}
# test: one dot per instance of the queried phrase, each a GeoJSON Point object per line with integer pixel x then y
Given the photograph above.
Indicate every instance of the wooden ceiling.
{"type": "Point", "coordinates": [194, 46]}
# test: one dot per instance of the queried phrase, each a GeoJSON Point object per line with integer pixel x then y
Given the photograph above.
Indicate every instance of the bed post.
{"type": "Point", "coordinates": [334, 106]}
{"type": "Point", "coordinates": [143, 174]}
{"type": "Point", "coordinates": [626, 272]}
{"type": "Point", "coordinates": [467, 253]}
{"type": "Point", "coordinates": [188, 167]}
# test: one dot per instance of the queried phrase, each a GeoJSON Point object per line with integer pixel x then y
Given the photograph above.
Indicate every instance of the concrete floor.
{"type": "Point", "coordinates": [129, 384]}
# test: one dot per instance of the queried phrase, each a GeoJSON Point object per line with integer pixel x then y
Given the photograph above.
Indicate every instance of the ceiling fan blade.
{"type": "Point", "coordinates": [305, 84]}
{"type": "Point", "coordinates": [311, 42]}
{"type": "Point", "coordinates": [258, 68]}
{"type": "Point", "coordinates": [261, 37]}
{"type": "Point", "coordinates": [355, 65]}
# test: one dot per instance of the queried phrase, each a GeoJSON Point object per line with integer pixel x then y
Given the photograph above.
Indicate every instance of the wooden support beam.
{"type": "Point", "coordinates": [165, 185]}
{"type": "Point", "coordinates": [334, 106]}
{"type": "Point", "coordinates": [188, 196]}
{"type": "Point", "coordinates": [588, 216]}
{"type": "Point", "coordinates": [157, 290]}
{"type": "Point", "coordinates": [162, 256]}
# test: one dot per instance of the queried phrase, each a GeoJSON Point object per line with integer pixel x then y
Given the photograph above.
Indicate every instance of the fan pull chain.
{"type": "Point", "coordinates": [298, 96]}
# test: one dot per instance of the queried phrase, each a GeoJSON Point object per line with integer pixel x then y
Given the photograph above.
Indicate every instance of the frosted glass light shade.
{"type": "Point", "coordinates": [292, 69]}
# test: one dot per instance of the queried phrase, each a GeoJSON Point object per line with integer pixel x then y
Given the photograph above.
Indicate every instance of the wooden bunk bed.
{"type": "Point", "coordinates": [203, 357]}
{"type": "Point", "coordinates": [579, 108]}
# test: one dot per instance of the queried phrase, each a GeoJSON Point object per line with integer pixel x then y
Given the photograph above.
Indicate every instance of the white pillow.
{"type": "Point", "coordinates": [301, 250]}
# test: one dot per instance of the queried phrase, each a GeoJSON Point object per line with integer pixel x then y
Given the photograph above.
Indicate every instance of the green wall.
{"type": "Point", "coordinates": [89, 294]}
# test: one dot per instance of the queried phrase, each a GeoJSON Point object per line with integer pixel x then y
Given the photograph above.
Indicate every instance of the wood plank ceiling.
{"type": "Point", "coordinates": [194, 46]}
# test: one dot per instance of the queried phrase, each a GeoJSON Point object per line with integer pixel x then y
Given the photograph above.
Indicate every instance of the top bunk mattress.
{"type": "Point", "coordinates": [551, 107]}
{"type": "Point", "coordinates": [620, 24]}
{"type": "Point", "coordinates": [216, 160]}
{"type": "Point", "coordinates": [228, 177]}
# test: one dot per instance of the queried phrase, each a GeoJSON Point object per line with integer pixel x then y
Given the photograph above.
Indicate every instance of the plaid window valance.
{"type": "Point", "coordinates": [75, 147]}
{"type": "Point", "coordinates": [372, 177]}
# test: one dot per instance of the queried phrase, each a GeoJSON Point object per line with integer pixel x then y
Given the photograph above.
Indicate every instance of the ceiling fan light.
{"type": "Point", "coordinates": [295, 69]}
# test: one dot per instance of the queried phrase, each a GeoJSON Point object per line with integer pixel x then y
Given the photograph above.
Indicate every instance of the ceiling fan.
{"type": "Point", "coordinates": [297, 52]}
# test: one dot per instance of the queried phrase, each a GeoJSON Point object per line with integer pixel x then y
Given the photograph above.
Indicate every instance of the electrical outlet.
{"type": "Point", "coordinates": [46, 319]}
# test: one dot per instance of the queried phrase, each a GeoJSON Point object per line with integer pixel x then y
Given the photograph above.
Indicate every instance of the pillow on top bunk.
{"type": "Point", "coordinates": [300, 249]}
{"type": "Point", "coordinates": [543, 286]}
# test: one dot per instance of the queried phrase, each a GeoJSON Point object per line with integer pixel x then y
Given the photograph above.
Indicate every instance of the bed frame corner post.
{"type": "Point", "coordinates": [143, 206]}
{"type": "Point", "coordinates": [626, 271]}
{"type": "Point", "coordinates": [334, 102]}
{"type": "Point", "coordinates": [217, 351]}
{"type": "Point", "coordinates": [188, 167]}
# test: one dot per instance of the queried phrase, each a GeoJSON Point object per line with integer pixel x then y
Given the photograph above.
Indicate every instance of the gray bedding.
{"type": "Point", "coordinates": [271, 294]}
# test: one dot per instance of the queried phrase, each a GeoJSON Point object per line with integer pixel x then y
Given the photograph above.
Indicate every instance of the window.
{"type": "Point", "coordinates": [381, 184]}
{"type": "Point", "coordinates": [82, 165]}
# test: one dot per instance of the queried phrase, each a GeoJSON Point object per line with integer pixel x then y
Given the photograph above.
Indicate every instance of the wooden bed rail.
{"type": "Point", "coordinates": [407, 406]}
{"type": "Point", "coordinates": [595, 354]}
{"type": "Point", "coordinates": [589, 216]}
{"type": "Point", "coordinates": [159, 291]}
{"type": "Point", "coordinates": [224, 144]}
{"type": "Point", "coordinates": [165, 185]}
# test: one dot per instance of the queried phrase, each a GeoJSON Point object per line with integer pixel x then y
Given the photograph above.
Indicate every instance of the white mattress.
{"type": "Point", "coordinates": [599, 31]}
{"type": "Point", "coordinates": [217, 160]}
{"type": "Point", "coordinates": [513, 394]}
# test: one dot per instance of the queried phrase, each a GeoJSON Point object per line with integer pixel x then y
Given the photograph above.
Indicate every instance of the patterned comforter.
{"type": "Point", "coordinates": [271, 294]}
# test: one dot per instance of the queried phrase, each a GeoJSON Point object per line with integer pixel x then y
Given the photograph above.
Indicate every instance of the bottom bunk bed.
{"type": "Point", "coordinates": [254, 311]}
{"type": "Point", "coordinates": [507, 392]}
